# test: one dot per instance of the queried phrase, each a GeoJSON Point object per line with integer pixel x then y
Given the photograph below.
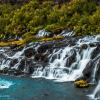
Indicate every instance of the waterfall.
{"type": "Point", "coordinates": [63, 60]}
{"type": "Point", "coordinates": [94, 72]}
{"type": "Point", "coordinates": [58, 69]}
{"type": "Point", "coordinates": [96, 93]}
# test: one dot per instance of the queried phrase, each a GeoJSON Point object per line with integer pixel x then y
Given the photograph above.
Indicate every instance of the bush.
{"type": "Point", "coordinates": [81, 16]}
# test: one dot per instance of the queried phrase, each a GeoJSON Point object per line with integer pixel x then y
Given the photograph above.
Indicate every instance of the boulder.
{"type": "Point", "coordinates": [41, 57]}
{"type": "Point", "coordinates": [70, 60]}
{"type": "Point", "coordinates": [84, 46]}
{"type": "Point", "coordinates": [95, 52]}
{"type": "Point", "coordinates": [44, 47]}
{"type": "Point", "coordinates": [13, 62]}
{"type": "Point", "coordinates": [29, 52]}
{"type": "Point", "coordinates": [44, 33]}
{"type": "Point", "coordinates": [22, 65]}
{"type": "Point", "coordinates": [87, 72]}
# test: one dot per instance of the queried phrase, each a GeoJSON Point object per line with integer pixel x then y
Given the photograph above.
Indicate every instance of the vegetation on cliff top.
{"type": "Point", "coordinates": [81, 16]}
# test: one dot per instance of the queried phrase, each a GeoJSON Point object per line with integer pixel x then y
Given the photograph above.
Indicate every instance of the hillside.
{"type": "Point", "coordinates": [26, 19]}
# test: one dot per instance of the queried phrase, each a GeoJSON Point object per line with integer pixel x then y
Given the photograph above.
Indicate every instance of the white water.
{"type": "Point", "coordinates": [59, 67]}
{"type": "Point", "coordinates": [5, 84]}
{"type": "Point", "coordinates": [96, 93]}
{"type": "Point", "coordinates": [55, 69]}
{"type": "Point", "coordinates": [94, 73]}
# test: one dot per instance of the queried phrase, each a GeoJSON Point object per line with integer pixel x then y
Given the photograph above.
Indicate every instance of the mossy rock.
{"type": "Point", "coordinates": [81, 84]}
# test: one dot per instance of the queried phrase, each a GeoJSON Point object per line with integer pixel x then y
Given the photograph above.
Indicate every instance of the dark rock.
{"type": "Point", "coordinates": [87, 72]}
{"type": "Point", "coordinates": [41, 57]}
{"type": "Point", "coordinates": [92, 45]}
{"type": "Point", "coordinates": [22, 65]}
{"type": "Point", "coordinates": [5, 70]}
{"type": "Point", "coordinates": [18, 72]}
{"type": "Point", "coordinates": [70, 60]}
{"type": "Point", "coordinates": [13, 62]}
{"type": "Point", "coordinates": [97, 63]}
{"type": "Point", "coordinates": [84, 46]}
{"type": "Point", "coordinates": [29, 52]}
{"type": "Point", "coordinates": [31, 70]}
{"type": "Point", "coordinates": [95, 52]}
{"type": "Point", "coordinates": [13, 46]}
{"type": "Point", "coordinates": [11, 71]}
{"type": "Point", "coordinates": [44, 47]}
{"type": "Point", "coordinates": [54, 57]}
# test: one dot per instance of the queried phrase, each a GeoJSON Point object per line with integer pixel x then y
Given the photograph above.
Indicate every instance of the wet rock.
{"type": "Point", "coordinates": [11, 71]}
{"type": "Point", "coordinates": [18, 72]}
{"type": "Point", "coordinates": [5, 70]}
{"type": "Point", "coordinates": [44, 33]}
{"type": "Point", "coordinates": [84, 46]}
{"type": "Point", "coordinates": [13, 62]}
{"type": "Point", "coordinates": [92, 44]}
{"type": "Point", "coordinates": [54, 57]}
{"type": "Point", "coordinates": [44, 47]}
{"type": "Point", "coordinates": [98, 36]}
{"type": "Point", "coordinates": [98, 70]}
{"type": "Point", "coordinates": [22, 65]}
{"type": "Point", "coordinates": [95, 52]}
{"type": "Point", "coordinates": [67, 33]}
{"type": "Point", "coordinates": [41, 57]}
{"type": "Point", "coordinates": [31, 70]}
{"type": "Point", "coordinates": [13, 46]}
{"type": "Point", "coordinates": [29, 52]}
{"type": "Point", "coordinates": [17, 48]}
{"type": "Point", "coordinates": [70, 60]}
{"type": "Point", "coordinates": [2, 56]}
{"type": "Point", "coordinates": [87, 72]}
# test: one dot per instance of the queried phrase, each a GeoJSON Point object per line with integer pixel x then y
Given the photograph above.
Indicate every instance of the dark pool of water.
{"type": "Point", "coordinates": [40, 89]}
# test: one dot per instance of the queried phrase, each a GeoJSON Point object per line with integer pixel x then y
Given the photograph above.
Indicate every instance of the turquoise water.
{"type": "Point", "coordinates": [39, 89]}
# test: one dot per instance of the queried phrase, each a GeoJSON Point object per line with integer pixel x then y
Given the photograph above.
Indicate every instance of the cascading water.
{"type": "Point", "coordinates": [57, 69]}
{"type": "Point", "coordinates": [96, 93]}
{"type": "Point", "coordinates": [65, 62]}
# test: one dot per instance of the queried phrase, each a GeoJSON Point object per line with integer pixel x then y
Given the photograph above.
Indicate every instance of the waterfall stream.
{"type": "Point", "coordinates": [63, 60]}
{"type": "Point", "coordinates": [96, 93]}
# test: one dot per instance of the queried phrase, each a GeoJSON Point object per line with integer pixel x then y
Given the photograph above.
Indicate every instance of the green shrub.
{"type": "Point", "coordinates": [81, 16]}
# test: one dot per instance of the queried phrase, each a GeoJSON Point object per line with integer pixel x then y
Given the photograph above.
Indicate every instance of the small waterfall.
{"type": "Point", "coordinates": [57, 68]}
{"type": "Point", "coordinates": [96, 93]}
{"type": "Point", "coordinates": [62, 60]}
{"type": "Point", "coordinates": [94, 72]}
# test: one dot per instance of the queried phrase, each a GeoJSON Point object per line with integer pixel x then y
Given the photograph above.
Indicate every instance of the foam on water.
{"type": "Point", "coordinates": [96, 93]}
{"type": "Point", "coordinates": [5, 83]}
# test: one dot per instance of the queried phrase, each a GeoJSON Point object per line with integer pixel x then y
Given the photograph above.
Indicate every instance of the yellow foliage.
{"type": "Point", "coordinates": [81, 83]}
{"type": "Point", "coordinates": [10, 43]}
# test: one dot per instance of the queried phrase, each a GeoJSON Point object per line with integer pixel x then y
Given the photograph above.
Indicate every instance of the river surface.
{"type": "Point", "coordinates": [16, 88]}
